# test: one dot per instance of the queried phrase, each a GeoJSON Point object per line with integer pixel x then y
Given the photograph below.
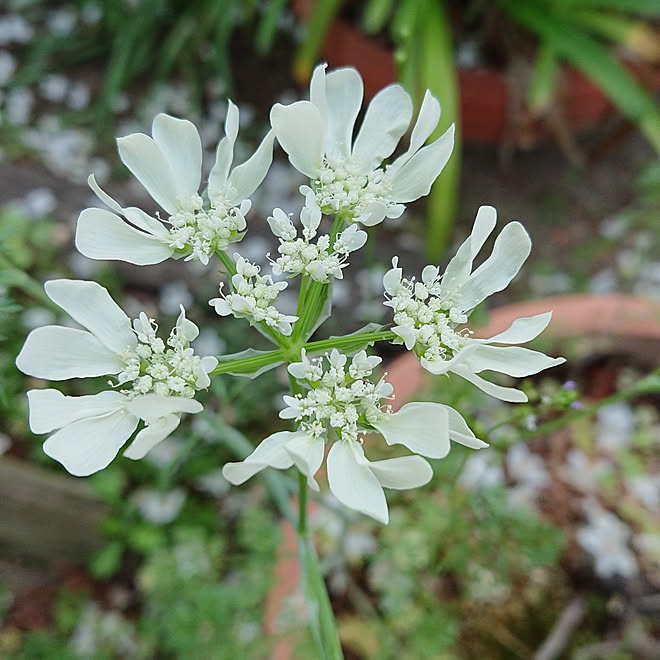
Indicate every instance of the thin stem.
{"type": "Point", "coordinates": [349, 340]}
{"type": "Point", "coordinates": [247, 365]}
{"type": "Point", "coordinates": [302, 505]}
{"type": "Point", "coordinates": [648, 384]}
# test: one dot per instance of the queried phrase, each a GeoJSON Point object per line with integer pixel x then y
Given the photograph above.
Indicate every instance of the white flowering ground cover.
{"type": "Point", "coordinates": [165, 508]}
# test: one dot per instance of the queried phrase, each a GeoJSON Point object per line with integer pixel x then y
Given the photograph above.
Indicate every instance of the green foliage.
{"type": "Point", "coordinates": [192, 610]}
{"type": "Point", "coordinates": [160, 38]}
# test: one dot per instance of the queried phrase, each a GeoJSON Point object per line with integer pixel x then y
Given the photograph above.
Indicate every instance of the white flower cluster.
{"type": "Point", "coordinates": [341, 399]}
{"type": "Point", "coordinates": [347, 176]}
{"type": "Point", "coordinates": [425, 317]}
{"type": "Point", "coordinates": [170, 369]}
{"type": "Point", "coordinates": [253, 297]}
{"type": "Point", "coordinates": [90, 430]}
{"type": "Point", "coordinates": [169, 166]}
{"type": "Point", "coordinates": [427, 312]}
{"type": "Point", "coordinates": [156, 380]}
{"type": "Point", "coordinates": [200, 233]}
{"type": "Point", "coordinates": [321, 260]}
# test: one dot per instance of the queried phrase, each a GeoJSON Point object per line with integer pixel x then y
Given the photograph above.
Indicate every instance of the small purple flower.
{"type": "Point", "coordinates": [577, 405]}
{"type": "Point", "coordinates": [569, 385]}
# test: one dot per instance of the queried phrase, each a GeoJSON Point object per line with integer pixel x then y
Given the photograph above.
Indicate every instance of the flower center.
{"type": "Point", "coordinates": [421, 311]}
{"type": "Point", "coordinates": [166, 369]}
{"type": "Point", "coordinates": [201, 232]}
{"type": "Point", "coordinates": [342, 187]}
{"type": "Point", "coordinates": [339, 398]}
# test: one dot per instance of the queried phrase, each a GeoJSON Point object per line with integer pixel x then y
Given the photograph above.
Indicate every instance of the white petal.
{"type": "Point", "coordinates": [90, 304]}
{"type": "Point", "coordinates": [147, 163]}
{"type": "Point", "coordinates": [427, 120]}
{"type": "Point", "coordinates": [181, 146]}
{"type": "Point", "coordinates": [103, 235]}
{"type": "Point", "coordinates": [392, 280]}
{"type": "Point", "coordinates": [224, 155]}
{"type": "Point", "coordinates": [373, 214]}
{"type": "Point", "coordinates": [151, 435]}
{"type": "Point", "coordinates": [56, 353]}
{"type": "Point", "coordinates": [459, 267]}
{"type": "Point", "coordinates": [102, 195]}
{"type": "Point", "coordinates": [511, 360]}
{"type": "Point", "coordinates": [246, 178]}
{"type": "Point", "coordinates": [50, 409]}
{"type": "Point", "coordinates": [402, 473]}
{"type": "Point", "coordinates": [300, 130]}
{"type": "Point", "coordinates": [406, 333]}
{"type": "Point", "coordinates": [307, 454]}
{"type": "Point", "coordinates": [511, 249]}
{"type": "Point", "coordinates": [317, 90]}
{"type": "Point", "coordinates": [423, 427]}
{"type": "Point", "coordinates": [145, 222]}
{"type": "Point", "coordinates": [385, 122]}
{"type": "Point", "coordinates": [352, 482]}
{"type": "Point", "coordinates": [90, 444]}
{"type": "Point", "coordinates": [509, 394]}
{"type": "Point", "coordinates": [460, 432]}
{"type": "Point", "coordinates": [150, 407]}
{"type": "Point", "coordinates": [522, 330]}
{"type": "Point", "coordinates": [415, 178]}
{"type": "Point", "coordinates": [269, 453]}
{"type": "Point", "coordinates": [343, 95]}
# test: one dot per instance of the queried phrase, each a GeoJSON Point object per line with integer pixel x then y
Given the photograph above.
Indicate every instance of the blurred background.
{"type": "Point", "coordinates": [545, 546]}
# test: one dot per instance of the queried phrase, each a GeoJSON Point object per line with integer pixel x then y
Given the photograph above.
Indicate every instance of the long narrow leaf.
{"type": "Point", "coordinates": [595, 61]}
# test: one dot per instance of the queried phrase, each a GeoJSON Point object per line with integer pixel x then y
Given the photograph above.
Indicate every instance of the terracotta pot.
{"type": "Point", "coordinates": [484, 93]}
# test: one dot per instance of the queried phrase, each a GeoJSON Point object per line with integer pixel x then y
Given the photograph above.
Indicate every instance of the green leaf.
{"type": "Point", "coordinates": [544, 79]}
{"type": "Point", "coordinates": [596, 62]}
{"type": "Point", "coordinates": [318, 24]}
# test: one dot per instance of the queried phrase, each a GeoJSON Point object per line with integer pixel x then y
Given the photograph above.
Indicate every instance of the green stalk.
{"type": "Point", "coordinates": [425, 61]}
{"type": "Point", "coordinates": [319, 611]}
{"type": "Point", "coordinates": [247, 365]}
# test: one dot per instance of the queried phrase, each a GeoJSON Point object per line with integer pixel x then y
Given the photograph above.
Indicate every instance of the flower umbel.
{"type": "Point", "coordinates": [252, 298]}
{"type": "Point", "coordinates": [169, 166]}
{"type": "Point", "coordinates": [346, 175]}
{"type": "Point", "coordinates": [342, 403]}
{"type": "Point", "coordinates": [155, 381]}
{"type": "Point", "coordinates": [428, 314]}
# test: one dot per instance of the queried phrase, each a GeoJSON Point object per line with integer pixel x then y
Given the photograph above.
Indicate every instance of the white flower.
{"type": "Point", "coordinates": [321, 260]}
{"type": "Point", "coordinates": [347, 175]}
{"type": "Point", "coordinates": [252, 298]}
{"type": "Point", "coordinates": [341, 400]}
{"type": "Point", "coordinates": [427, 313]}
{"type": "Point", "coordinates": [169, 166]}
{"type": "Point", "coordinates": [154, 380]}
{"type": "Point", "coordinates": [606, 538]}
{"type": "Point", "coordinates": [482, 470]}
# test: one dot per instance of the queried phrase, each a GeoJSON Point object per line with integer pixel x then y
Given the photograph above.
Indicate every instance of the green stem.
{"type": "Point", "coordinates": [247, 365]}
{"type": "Point", "coordinates": [648, 384]}
{"type": "Point", "coordinates": [349, 340]}
{"type": "Point", "coordinates": [302, 505]}
{"type": "Point", "coordinates": [320, 616]}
